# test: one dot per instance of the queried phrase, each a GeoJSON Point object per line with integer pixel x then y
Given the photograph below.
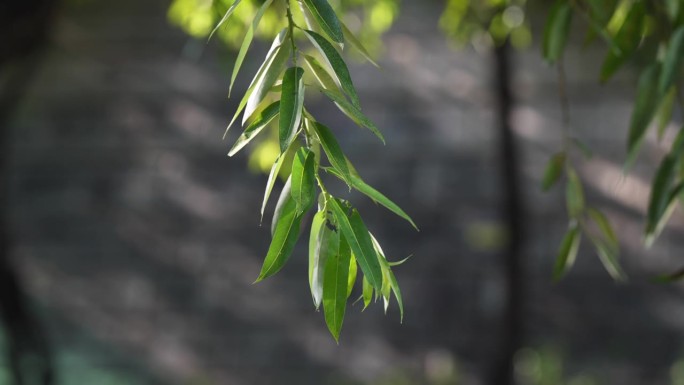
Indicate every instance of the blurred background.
{"type": "Point", "coordinates": [130, 241]}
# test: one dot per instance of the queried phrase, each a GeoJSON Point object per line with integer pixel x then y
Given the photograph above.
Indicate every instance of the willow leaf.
{"type": "Point", "coordinates": [357, 236]}
{"type": "Point", "coordinates": [568, 252]}
{"type": "Point", "coordinates": [225, 17]}
{"type": "Point", "coordinates": [672, 64]}
{"type": "Point", "coordinates": [283, 199]}
{"type": "Point", "coordinates": [326, 18]}
{"type": "Point", "coordinates": [647, 101]}
{"type": "Point", "coordinates": [574, 195]}
{"type": "Point", "coordinates": [367, 293]}
{"type": "Point", "coordinates": [291, 103]}
{"type": "Point", "coordinates": [354, 42]}
{"type": "Point", "coordinates": [609, 259]}
{"type": "Point", "coordinates": [246, 42]}
{"type": "Point", "coordinates": [320, 73]}
{"type": "Point", "coordinates": [556, 31]}
{"type": "Point", "coordinates": [605, 227]}
{"type": "Point", "coordinates": [627, 40]}
{"type": "Point", "coordinates": [255, 127]}
{"type": "Point", "coordinates": [665, 110]}
{"type": "Point", "coordinates": [335, 289]}
{"type": "Point", "coordinates": [333, 151]}
{"type": "Point", "coordinates": [335, 61]}
{"type": "Point", "coordinates": [353, 112]}
{"type": "Point", "coordinates": [554, 169]}
{"type": "Point", "coordinates": [353, 272]}
{"type": "Point", "coordinates": [303, 179]}
{"type": "Point", "coordinates": [283, 242]}
{"type": "Point", "coordinates": [315, 267]}
{"type": "Point", "coordinates": [275, 170]}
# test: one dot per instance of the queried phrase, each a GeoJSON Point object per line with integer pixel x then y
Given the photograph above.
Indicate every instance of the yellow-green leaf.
{"type": "Point", "coordinates": [225, 17]}
{"type": "Point", "coordinates": [353, 112]}
{"type": "Point", "coordinates": [354, 42]}
{"type": "Point", "coordinates": [627, 40]}
{"type": "Point", "coordinates": [284, 239]}
{"type": "Point", "coordinates": [255, 127]}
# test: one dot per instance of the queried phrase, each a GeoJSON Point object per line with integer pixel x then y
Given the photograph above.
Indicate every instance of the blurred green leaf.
{"type": "Point", "coordinates": [226, 16]}
{"type": "Point", "coordinates": [574, 194]}
{"type": "Point", "coordinates": [647, 100]}
{"type": "Point", "coordinates": [669, 278]}
{"type": "Point", "coordinates": [672, 64]}
{"type": "Point", "coordinates": [249, 35]}
{"type": "Point", "coordinates": [605, 227]}
{"type": "Point", "coordinates": [627, 40]}
{"type": "Point", "coordinates": [568, 252]}
{"type": "Point", "coordinates": [609, 258]}
{"type": "Point", "coordinates": [335, 288]}
{"type": "Point", "coordinates": [554, 169]}
{"type": "Point", "coordinates": [255, 127]}
{"type": "Point", "coordinates": [354, 42]}
{"type": "Point", "coordinates": [664, 114]}
{"type": "Point", "coordinates": [326, 18]}
{"type": "Point", "coordinates": [291, 103]}
{"type": "Point", "coordinates": [556, 30]}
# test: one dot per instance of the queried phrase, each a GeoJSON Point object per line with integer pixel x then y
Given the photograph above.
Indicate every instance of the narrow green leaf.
{"type": "Point", "coordinates": [225, 17]}
{"type": "Point", "coordinates": [669, 278]}
{"type": "Point", "coordinates": [263, 84]}
{"type": "Point", "coordinates": [316, 268]}
{"type": "Point", "coordinates": [326, 18]}
{"type": "Point", "coordinates": [672, 64]}
{"type": "Point", "coordinates": [335, 289]}
{"type": "Point", "coordinates": [399, 263]}
{"type": "Point", "coordinates": [353, 112]}
{"type": "Point", "coordinates": [303, 179]}
{"type": "Point", "coordinates": [554, 169]}
{"type": "Point", "coordinates": [361, 186]}
{"type": "Point", "coordinates": [335, 61]}
{"type": "Point", "coordinates": [627, 40]}
{"type": "Point", "coordinates": [664, 114]}
{"type": "Point", "coordinates": [247, 41]}
{"type": "Point", "coordinates": [673, 7]}
{"type": "Point", "coordinates": [604, 226]}
{"type": "Point", "coordinates": [354, 42]}
{"type": "Point", "coordinates": [291, 102]}
{"type": "Point", "coordinates": [276, 51]}
{"type": "Point", "coordinates": [272, 176]}
{"type": "Point", "coordinates": [255, 127]}
{"type": "Point", "coordinates": [556, 30]}
{"type": "Point", "coordinates": [353, 272]}
{"type": "Point", "coordinates": [568, 252]}
{"type": "Point", "coordinates": [609, 259]}
{"type": "Point", "coordinates": [389, 280]}
{"type": "Point", "coordinates": [367, 293]}
{"type": "Point", "coordinates": [320, 73]}
{"type": "Point", "coordinates": [333, 151]}
{"type": "Point", "coordinates": [285, 195]}
{"type": "Point", "coordinates": [356, 234]}
{"type": "Point", "coordinates": [284, 239]}
{"type": "Point", "coordinates": [647, 100]}
{"type": "Point", "coordinates": [327, 246]}
{"type": "Point", "coordinates": [661, 201]}
{"type": "Point", "coordinates": [574, 194]}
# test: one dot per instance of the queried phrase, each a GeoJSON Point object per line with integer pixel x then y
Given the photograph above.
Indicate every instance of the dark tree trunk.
{"type": "Point", "coordinates": [512, 319]}
{"type": "Point", "coordinates": [24, 26]}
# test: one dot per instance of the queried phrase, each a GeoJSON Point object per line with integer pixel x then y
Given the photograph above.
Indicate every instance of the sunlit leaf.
{"type": "Point", "coordinates": [400, 262]}
{"type": "Point", "coordinates": [354, 42]}
{"type": "Point", "coordinates": [285, 195]}
{"type": "Point", "coordinates": [284, 239]}
{"type": "Point", "coordinates": [389, 280]}
{"type": "Point", "coordinates": [353, 272]}
{"type": "Point", "coordinates": [627, 40]}
{"type": "Point", "coordinates": [316, 265]}
{"type": "Point", "coordinates": [361, 186]}
{"type": "Point", "coordinates": [320, 73]}
{"type": "Point", "coordinates": [356, 234]}
{"type": "Point", "coordinates": [326, 18]}
{"type": "Point", "coordinates": [247, 41]}
{"type": "Point", "coordinates": [672, 64]}
{"type": "Point", "coordinates": [333, 151]}
{"type": "Point", "coordinates": [335, 61]}
{"type": "Point", "coordinates": [568, 252]}
{"type": "Point", "coordinates": [225, 17]}
{"type": "Point", "coordinates": [272, 176]}
{"type": "Point", "coordinates": [367, 293]}
{"type": "Point", "coordinates": [574, 194]}
{"type": "Point", "coordinates": [291, 103]}
{"type": "Point", "coordinates": [255, 127]}
{"type": "Point", "coordinates": [335, 288]}
{"type": "Point", "coordinates": [353, 112]}
{"type": "Point", "coordinates": [554, 169]}
{"type": "Point", "coordinates": [647, 101]}
{"type": "Point", "coordinates": [556, 30]}
{"type": "Point", "coordinates": [303, 179]}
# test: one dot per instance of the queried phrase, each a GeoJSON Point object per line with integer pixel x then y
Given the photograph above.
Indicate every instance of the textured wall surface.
{"type": "Point", "coordinates": [139, 240]}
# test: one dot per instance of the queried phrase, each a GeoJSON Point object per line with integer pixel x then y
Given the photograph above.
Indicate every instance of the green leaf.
{"type": "Point", "coordinates": [661, 202]}
{"type": "Point", "coordinates": [320, 73]}
{"type": "Point", "coordinates": [664, 114]}
{"type": "Point", "coordinates": [303, 179]}
{"type": "Point", "coordinates": [272, 70]}
{"type": "Point", "coordinates": [355, 232]}
{"type": "Point", "coordinates": [272, 176]}
{"type": "Point", "coordinates": [399, 263]}
{"type": "Point", "coordinates": [353, 112]}
{"type": "Point", "coordinates": [278, 49]}
{"type": "Point", "coordinates": [672, 7]}
{"type": "Point", "coordinates": [556, 30]}
{"type": "Point", "coordinates": [568, 252]}
{"type": "Point", "coordinates": [627, 40]}
{"type": "Point", "coordinates": [285, 195]}
{"type": "Point", "coordinates": [335, 289]}
{"type": "Point", "coordinates": [291, 102]}
{"type": "Point", "coordinates": [284, 239]}
{"type": "Point", "coordinates": [672, 64]}
{"type": "Point", "coordinates": [367, 293]}
{"type": "Point", "coordinates": [326, 18]}
{"type": "Point", "coordinates": [225, 17]}
{"type": "Point", "coordinates": [647, 100]}
{"type": "Point", "coordinates": [316, 265]}
{"type": "Point", "coordinates": [608, 258]}
{"type": "Point", "coordinates": [246, 42]}
{"type": "Point", "coordinates": [554, 169]}
{"type": "Point", "coordinates": [333, 151]}
{"type": "Point", "coordinates": [353, 272]}
{"type": "Point", "coordinates": [255, 127]}
{"type": "Point", "coordinates": [389, 280]}
{"type": "Point", "coordinates": [354, 42]}
{"type": "Point", "coordinates": [669, 278]}
{"type": "Point", "coordinates": [327, 245]}
{"type": "Point", "coordinates": [361, 186]}
{"type": "Point", "coordinates": [574, 194]}
{"type": "Point", "coordinates": [604, 226]}
{"type": "Point", "coordinates": [335, 61]}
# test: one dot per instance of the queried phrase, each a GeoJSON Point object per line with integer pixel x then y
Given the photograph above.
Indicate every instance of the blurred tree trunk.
{"type": "Point", "coordinates": [24, 27]}
{"type": "Point", "coordinates": [512, 320]}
